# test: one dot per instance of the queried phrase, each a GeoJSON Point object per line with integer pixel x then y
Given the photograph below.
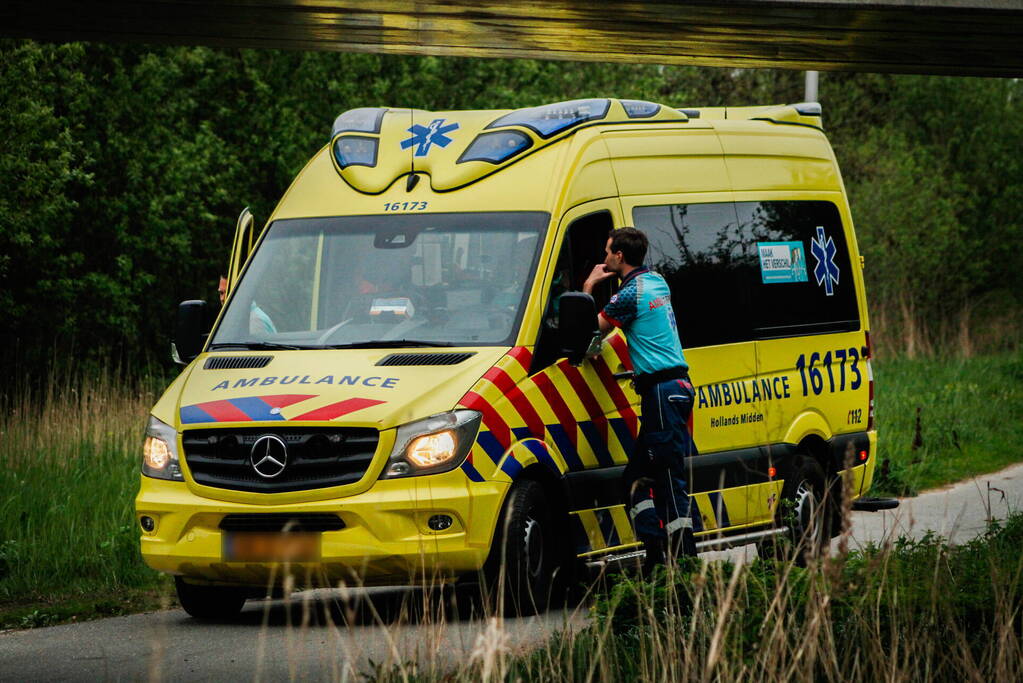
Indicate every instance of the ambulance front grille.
{"type": "Point", "coordinates": [316, 457]}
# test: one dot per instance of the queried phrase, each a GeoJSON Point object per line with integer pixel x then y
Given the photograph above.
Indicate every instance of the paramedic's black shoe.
{"type": "Point", "coordinates": [688, 544]}
{"type": "Point", "coordinates": [683, 545]}
{"type": "Point", "coordinates": [654, 558]}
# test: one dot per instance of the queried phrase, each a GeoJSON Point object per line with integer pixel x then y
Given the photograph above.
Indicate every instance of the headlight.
{"type": "Point", "coordinates": [160, 452]}
{"type": "Point", "coordinates": [437, 444]}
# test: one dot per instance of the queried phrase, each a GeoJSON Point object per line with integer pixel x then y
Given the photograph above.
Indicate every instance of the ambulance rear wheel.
{"type": "Point", "coordinates": [524, 555]}
{"type": "Point", "coordinates": [803, 512]}
{"type": "Point", "coordinates": [209, 602]}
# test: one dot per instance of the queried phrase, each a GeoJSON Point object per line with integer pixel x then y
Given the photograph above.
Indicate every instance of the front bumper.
{"type": "Point", "coordinates": [385, 539]}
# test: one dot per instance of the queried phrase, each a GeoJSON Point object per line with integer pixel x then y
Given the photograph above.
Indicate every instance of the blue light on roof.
{"type": "Point", "coordinates": [551, 119]}
{"type": "Point", "coordinates": [362, 120]}
{"type": "Point", "coordinates": [640, 109]}
{"type": "Point", "coordinates": [355, 150]}
{"type": "Point", "coordinates": [496, 147]}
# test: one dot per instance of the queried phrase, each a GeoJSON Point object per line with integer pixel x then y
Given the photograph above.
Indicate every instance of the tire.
{"type": "Point", "coordinates": [520, 568]}
{"type": "Point", "coordinates": [210, 602]}
{"type": "Point", "coordinates": [803, 511]}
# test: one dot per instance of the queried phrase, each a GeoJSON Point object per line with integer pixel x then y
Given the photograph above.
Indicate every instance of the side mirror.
{"type": "Point", "coordinates": [577, 325]}
{"type": "Point", "coordinates": [189, 331]}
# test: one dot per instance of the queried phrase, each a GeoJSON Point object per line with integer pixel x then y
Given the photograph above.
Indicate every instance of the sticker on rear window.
{"type": "Point", "coordinates": [826, 272]}
{"type": "Point", "coordinates": [782, 262]}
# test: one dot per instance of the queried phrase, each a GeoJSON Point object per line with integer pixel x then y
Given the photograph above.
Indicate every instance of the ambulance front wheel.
{"type": "Point", "coordinates": [523, 558]}
{"type": "Point", "coordinates": [209, 602]}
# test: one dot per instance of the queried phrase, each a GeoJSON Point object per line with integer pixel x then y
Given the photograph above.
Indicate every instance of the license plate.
{"type": "Point", "coordinates": [253, 547]}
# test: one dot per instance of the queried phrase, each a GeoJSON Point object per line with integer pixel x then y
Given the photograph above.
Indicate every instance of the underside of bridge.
{"type": "Point", "coordinates": [965, 37]}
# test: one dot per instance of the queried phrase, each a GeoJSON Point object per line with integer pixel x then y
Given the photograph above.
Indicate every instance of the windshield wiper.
{"type": "Point", "coordinates": [259, 346]}
{"type": "Point", "coordinates": [387, 344]}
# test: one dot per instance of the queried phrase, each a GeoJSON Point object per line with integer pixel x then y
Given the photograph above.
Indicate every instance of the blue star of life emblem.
{"type": "Point", "coordinates": [826, 271]}
{"type": "Point", "coordinates": [425, 136]}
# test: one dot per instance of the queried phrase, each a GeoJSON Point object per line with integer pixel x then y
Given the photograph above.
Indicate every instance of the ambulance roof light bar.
{"type": "Point", "coordinates": [362, 120]}
{"type": "Point", "coordinates": [551, 119]}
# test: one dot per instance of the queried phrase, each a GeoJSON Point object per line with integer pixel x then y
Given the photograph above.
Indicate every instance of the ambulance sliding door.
{"type": "Point", "coordinates": [699, 247]}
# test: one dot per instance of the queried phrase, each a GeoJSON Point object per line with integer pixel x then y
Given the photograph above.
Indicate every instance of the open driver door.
{"type": "Point", "coordinates": [244, 241]}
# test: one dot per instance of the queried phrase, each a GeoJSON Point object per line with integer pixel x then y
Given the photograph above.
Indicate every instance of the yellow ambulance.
{"type": "Point", "coordinates": [393, 394]}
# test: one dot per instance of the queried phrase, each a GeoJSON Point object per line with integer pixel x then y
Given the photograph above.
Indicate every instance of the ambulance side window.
{"type": "Point", "coordinates": [708, 259]}
{"type": "Point", "coordinates": [582, 249]}
{"type": "Point", "coordinates": [804, 283]}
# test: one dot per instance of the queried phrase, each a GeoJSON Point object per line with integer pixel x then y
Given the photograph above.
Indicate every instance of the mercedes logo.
{"type": "Point", "coordinates": [269, 456]}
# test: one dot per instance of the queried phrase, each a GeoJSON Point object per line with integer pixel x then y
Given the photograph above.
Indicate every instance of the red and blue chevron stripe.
{"type": "Point", "coordinates": [268, 409]}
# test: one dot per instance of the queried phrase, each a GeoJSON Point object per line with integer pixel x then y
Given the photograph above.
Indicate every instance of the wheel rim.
{"type": "Point", "coordinates": [534, 550]}
{"type": "Point", "coordinates": [806, 512]}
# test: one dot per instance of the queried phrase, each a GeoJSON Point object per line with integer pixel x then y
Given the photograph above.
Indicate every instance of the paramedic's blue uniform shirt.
{"type": "Point", "coordinates": [642, 308]}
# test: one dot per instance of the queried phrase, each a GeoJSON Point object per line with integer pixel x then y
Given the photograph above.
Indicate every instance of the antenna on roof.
{"type": "Point", "coordinates": [412, 178]}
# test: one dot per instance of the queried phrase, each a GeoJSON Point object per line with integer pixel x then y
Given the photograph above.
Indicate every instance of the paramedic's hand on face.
{"type": "Point", "coordinates": [597, 275]}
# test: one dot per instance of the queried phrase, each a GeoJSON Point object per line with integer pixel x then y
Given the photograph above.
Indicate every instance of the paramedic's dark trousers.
{"type": "Point", "coordinates": [658, 500]}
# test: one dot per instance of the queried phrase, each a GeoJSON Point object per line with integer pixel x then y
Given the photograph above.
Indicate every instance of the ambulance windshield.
{"type": "Point", "coordinates": [458, 279]}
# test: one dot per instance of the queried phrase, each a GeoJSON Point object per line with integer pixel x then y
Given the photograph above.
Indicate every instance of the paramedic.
{"type": "Point", "coordinates": [659, 502]}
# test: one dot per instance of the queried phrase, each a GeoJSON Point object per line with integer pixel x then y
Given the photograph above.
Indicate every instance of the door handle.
{"type": "Point", "coordinates": [628, 374]}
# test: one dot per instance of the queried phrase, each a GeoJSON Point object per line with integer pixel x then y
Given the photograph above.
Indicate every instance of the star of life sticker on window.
{"type": "Point", "coordinates": [826, 272]}
{"type": "Point", "coordinates": [782, 262]}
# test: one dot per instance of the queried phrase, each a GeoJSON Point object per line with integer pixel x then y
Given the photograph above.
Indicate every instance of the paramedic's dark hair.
{"type": "Point", "coordinates": [631, 242]}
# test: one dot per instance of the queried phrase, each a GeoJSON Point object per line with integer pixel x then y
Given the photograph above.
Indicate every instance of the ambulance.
{"type": "Point", "coordinates": [399, 391]}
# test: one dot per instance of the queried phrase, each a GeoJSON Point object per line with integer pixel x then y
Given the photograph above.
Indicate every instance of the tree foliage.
{"type": "Point", "coordinates": [124, 168]}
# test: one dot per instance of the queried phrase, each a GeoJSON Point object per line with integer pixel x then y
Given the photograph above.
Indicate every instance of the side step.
{"type": "Point", "coordinates": [717, 543]}
{"type": "Point", "coordinates": [875, 504]}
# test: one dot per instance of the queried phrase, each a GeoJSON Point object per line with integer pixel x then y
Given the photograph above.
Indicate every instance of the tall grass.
{"type": "Point", "coordinates": [69, 467]}
{"type": "Point", "coordinates": [915, 610]}
{"type": "Point", "coordinates": [990, 324]}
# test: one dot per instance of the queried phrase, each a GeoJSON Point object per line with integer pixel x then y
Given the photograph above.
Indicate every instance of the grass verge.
{"type": "Point", "coordinates": [69, 472]}
{"type": "Point", "coordinates": [34, 613]}
{"type": "Point", "coordinates": [942, 421]}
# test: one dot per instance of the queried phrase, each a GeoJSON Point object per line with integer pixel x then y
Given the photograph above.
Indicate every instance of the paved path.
{"type": "Point", "coordinates": [958, 512]}
{"type": "Point", "coordinates": [316, 635]}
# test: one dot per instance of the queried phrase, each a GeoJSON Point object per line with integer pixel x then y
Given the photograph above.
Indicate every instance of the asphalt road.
{"type": "Point", "coordinates": [317, 634]}
{"type": "Point", "coordinates": [957, 512]}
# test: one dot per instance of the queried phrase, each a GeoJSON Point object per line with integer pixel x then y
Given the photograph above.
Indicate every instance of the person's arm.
{"type": "Point", "coordinates": [598, 275]}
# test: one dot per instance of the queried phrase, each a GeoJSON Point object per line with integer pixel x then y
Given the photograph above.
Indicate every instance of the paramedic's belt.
{"type": "Point", "coordinates": [648, 381]}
